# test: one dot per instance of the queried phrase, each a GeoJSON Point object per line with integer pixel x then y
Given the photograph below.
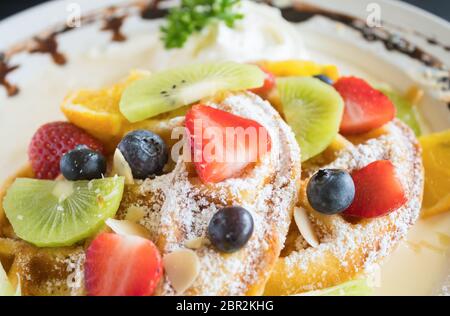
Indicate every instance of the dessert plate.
{"type": "Point", "coordinates": [43, 59]}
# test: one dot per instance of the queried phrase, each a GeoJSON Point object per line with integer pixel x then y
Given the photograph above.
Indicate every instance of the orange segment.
{"type": "Point", "coordinates": [80, 108]}
{"type": "Point", "coordinates": [97, 111]}
{"type": "Point", "coordinates": [436, 158]}
{"type": "Point", "coordinates": [287, 68]}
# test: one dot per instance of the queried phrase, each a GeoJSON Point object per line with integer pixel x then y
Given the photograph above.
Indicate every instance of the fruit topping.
{"type": "Point", "coordinates": [51, 142]}
{"type": "Point", "coordinates": [365, 108]}
{"type": "Point", "coordinates": [359, 287]}
{"type": "Point", "coordinates": [82, 163]}
{"type": "Point", "coordinates": [325, 79]}
{"type": "Point", "coordinates": [171, 89]}
{"type": "Point", "coordinates": [300, 68]}
{"type": "Point", "coordinates": [330, 191]}
{"type": "Point", "coordinates": [182, 267]}
{"type": "Point", "coordinates": [97, 111]}
{"type": "Point", "coordinates": [269, 84]}
{"type": "Point", "coordinates": [313, 109]}
{"type": "Point", "coordinates": [436, 158]}
{"type": "Point", "coordinates": [305, 226]}
{"type": "Point", "coordinates": [145, 152]}
{"type": "Point", "coordinates": [378, 191]}
{"type": "Point", "coordinates": [118, 265]}
{"type": "Point", "coordinates": [406, 111]}
{"type": "Point", "coordinates": [230, 228]}
{"type": "Point", "coordinates": [224, 144]}
{"type": "Point", "coordinates": [60, 213]}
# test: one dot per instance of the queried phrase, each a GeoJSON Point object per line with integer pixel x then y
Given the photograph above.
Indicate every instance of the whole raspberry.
{"type": "Point", "coordinates": [51, 142]}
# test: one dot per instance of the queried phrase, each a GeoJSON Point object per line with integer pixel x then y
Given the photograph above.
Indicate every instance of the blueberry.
{"type": "Point", "coordinates": [82, 163]}
{"type": "Point", "coordinates": [325, 79]}
{"type": "Point", "coordinates": [230, 228]}
{"type": "Point", "coordinates": [330, 191]}
{"type": "Point", "coordinates": [145, 152]}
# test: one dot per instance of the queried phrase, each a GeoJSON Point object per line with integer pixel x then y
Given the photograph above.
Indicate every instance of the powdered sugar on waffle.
{"type": "Point", "coordinates": [183, 207]}
{"type": "Point", "coordinates": [377, 237]}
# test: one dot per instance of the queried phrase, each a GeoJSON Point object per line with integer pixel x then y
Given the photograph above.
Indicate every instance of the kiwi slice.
{"type": "Point", "coordinates": [171, 89]}
{"type": "Point", "coordinates": [314, 111]}
{"type": "Point", "coordinates": [60, 213]}
{"type": "Point", "coordinates": [405, 110]}
{"type": "Point", "coordinates": [358, 287]}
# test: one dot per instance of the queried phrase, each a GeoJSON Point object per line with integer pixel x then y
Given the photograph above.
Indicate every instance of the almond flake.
{"type": "Point", "coordinates": [305, 226]}
{"type": "Point", "coordinates": [122, 168]}
{"type": "Point", "coordinates": [195, 243]}
{"type": "Point", "coordinates": [124, 227]}
{"type": "Point", "coordinates": [135, 214]}
{"type": "Point", "coordinates": [182, 268]}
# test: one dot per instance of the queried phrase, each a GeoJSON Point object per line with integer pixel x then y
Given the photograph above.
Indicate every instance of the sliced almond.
{"type": "Point", "coordinates": [134, 214]}
{"type": "Point", "coordinates": [122, 168]}
{"type": "Point", "coordinates": [195, 243]}
{"type": "Point", "coordinates": [124, 227]}
{"type": "Point", "coordinates": [182, 268]}
{"type": "Point", "coordinates": [305, 226]}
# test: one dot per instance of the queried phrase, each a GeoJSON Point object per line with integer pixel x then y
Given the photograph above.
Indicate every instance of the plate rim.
{"type": "Point", "coordinates": [55, 5]}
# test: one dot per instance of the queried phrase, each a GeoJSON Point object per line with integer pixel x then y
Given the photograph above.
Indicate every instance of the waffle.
{"type": "Point", "coordinates": [348, 247]}
{"type": "Point", "coordinates": [177, 208]}
{"type": "Point", "coordinates": [39, 271]}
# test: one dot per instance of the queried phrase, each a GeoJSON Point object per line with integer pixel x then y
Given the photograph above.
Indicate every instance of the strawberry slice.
{"type": "Point", "coordinates": [119, 265]}
{"type": "Point", "coordinates": [365, 108]}
{"type": "Point", "coordinates": [224, 144]}
{"type": "Point", "coordinates": [269, 84]}
{"type": "Point", "coordinates": [378, 191]}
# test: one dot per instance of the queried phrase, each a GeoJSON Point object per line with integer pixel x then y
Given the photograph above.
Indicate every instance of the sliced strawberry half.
{"type": "Point", "coordinates": [224, 144]}
{"type": "Point", "coordinates": [365, 107]}
{"type": "Point", "coordinates": [378, 191]}
{"type": "Point", "coordinates": [269, 84]}
{"type": "Point", "coordinates": [119, 265]}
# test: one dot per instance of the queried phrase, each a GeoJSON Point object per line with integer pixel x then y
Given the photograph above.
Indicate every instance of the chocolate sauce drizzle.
{"type": "Point", "coordinates": [5, 69]}
{"type": "Point", "coordinates": [48, 45]}
{"type": "Point", "coordinates": [114, 17]}
{"type": "Point", "coordinates": [391, 41]}
{"type": "Point", "coordinates": [114, 24]}
{"type": "Point", "coordinates": [153, 11]}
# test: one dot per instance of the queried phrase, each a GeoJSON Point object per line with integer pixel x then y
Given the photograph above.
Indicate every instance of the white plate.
{"type": "Point", "coordinates": [94, 61]}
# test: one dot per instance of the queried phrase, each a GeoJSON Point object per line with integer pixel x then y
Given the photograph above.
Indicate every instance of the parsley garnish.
{"type": "Point", "coordinates": [192, 16]}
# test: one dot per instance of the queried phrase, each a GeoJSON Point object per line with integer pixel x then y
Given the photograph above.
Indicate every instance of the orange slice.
{"type": "Point", "coordinates": [436, 159]}
{"type": "Point", "coordinates": [288, 68]}
{"type": "Point", "coordinates": [97, 111]}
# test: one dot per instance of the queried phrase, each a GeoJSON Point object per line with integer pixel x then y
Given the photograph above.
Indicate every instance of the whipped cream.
{"type": "Point", "coordinates": [261, 34]}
